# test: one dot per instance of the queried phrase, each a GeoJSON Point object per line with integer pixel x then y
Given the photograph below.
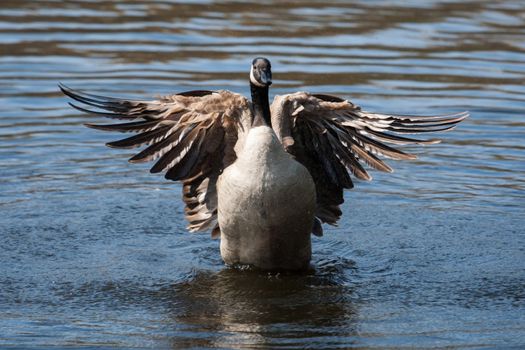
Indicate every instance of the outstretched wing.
{"type": "Point", "coordinates": [190, 135]}
{"type": "Point", "coordinates": [332, 137]}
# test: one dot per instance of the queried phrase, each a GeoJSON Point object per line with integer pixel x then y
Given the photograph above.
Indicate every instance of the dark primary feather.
{"type": "Point", "coordinates": [332, 137]}
{"type": "Point", "coordinates": [328, 98]}
{"type": "Point", "coordinates": [121, 107]}
{"type": "Point", "coordinates": [145, 137]}
{"type": "Point", "coordinates": [158, 149]}
{"type": "Point", "coordinates": [186, 161]}
{"type": "Point", "coordinates": [187, 133]}
{"type": "Point", "coordinates": [102, 114]}
{"type": "Point", "coordinates": [139, 126]}
{"type": "Point", "coordinates": [184, 140]}
{"type": "Point", "coordinates": [196, 93]}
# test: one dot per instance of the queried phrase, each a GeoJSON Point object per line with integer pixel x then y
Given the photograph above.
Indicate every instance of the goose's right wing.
{"type": "Point", "coordinates": [190, 135]}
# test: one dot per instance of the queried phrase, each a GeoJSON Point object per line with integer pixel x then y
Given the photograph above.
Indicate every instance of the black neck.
{"type": "Point", "coordinates": [261, 105]}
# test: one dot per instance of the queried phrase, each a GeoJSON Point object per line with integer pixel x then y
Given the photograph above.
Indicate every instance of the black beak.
{"type": "Point", "coordinates": [266, 77]}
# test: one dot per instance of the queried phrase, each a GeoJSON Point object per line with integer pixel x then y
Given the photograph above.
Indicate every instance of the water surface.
{"type": "Point", "coordinates": [94, 250]}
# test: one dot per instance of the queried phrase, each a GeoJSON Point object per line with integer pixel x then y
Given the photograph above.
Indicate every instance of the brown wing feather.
{"type": "Point", "coordinates": [332, 137]}
{"type": "Point", "coordinates": [191, 135]}
{"type": "Point", "coordinates": [329, 192]}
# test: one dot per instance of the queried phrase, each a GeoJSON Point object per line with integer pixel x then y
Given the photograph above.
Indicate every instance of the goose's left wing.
{"type": "Point", "coordinates": [332, 137]}
{"type": "Point", "coordinates": [190, 135]}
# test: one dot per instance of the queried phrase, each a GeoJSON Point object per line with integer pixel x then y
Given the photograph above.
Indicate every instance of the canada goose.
{"type": "Point", "coordinates": [261, 177]}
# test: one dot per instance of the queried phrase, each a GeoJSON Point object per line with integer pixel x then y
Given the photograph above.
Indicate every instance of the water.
{"type": "Point", "coordinates": [94, 251]}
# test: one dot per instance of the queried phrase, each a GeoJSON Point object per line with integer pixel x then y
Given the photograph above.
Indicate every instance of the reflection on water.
{"type": "Point", "coordinates": [94, 251]}
{"type": "Point", "coordinates": [234, 307]}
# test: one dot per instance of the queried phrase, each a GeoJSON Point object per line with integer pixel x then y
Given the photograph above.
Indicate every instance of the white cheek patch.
{"type": "Point", "coordinates": [253, 80]}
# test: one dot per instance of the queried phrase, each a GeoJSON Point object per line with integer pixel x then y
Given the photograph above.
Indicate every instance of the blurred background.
{"type": "Point", "coordinates": [94, 250]}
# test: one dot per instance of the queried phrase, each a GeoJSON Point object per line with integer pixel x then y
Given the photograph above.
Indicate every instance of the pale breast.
{"type": "Point", "coordinates": [266, 204]}
{"type": "Point", "coordinates": [264, 172]}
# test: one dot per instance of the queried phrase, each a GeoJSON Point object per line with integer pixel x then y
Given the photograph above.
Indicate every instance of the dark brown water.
{"type": "Point", "coordinates": [94, 251]}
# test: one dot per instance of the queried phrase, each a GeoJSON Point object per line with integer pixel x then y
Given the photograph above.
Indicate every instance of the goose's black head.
{"type": "Point", "coordinates": [261, 72]}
